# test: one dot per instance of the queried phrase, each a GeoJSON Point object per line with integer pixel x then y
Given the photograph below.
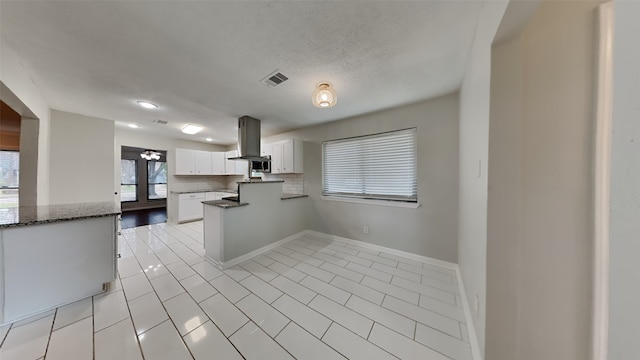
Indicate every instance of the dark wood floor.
{"type": "Point", "coordinates": [135, 218]}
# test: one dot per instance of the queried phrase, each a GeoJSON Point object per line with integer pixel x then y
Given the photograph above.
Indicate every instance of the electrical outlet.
{"type": "Point", "coordinates": [365, 229]}
{"type": "Point", "coordinates": [477, 306]}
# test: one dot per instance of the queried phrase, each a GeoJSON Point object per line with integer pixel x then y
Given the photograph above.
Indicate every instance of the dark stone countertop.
{"type": "Point", "coordinates": [287, 196]}
{"type": "Point", "coordinates": [233, 191]}
{"type": "Point", "coordinates": [32, 215]}
{"type": "Point", "coordinates": [225, 204]}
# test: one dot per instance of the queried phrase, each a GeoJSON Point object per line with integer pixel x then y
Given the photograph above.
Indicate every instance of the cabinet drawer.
{"type": "Point", "coordinates": [193, 196]}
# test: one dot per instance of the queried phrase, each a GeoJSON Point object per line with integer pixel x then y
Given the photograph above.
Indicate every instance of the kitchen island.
{"type": "Point", "coordinates": [54, 255]}
{"type": "Point", "coordinates": [263, 218]}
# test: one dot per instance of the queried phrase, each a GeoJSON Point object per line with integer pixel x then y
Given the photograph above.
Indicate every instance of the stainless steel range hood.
{"type": "Point", "coordinates": [249, 139]}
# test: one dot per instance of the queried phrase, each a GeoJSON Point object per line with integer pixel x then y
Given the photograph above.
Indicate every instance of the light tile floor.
{"type": "Point", "coordinates": [310, 298]}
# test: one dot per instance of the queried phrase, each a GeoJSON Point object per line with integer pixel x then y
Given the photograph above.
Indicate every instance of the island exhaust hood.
{"type": "Point", "coordinates": [249, 140]}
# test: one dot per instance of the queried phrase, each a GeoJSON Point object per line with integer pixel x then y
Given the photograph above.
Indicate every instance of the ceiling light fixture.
{"type": "Point", "coordinates": [209, 139]}
{"type": "Point", "coordinates": [147, 105]}
{"type": "Point", "coordinates": [150, 155]}
{"type": "Point", "coordinates": [324, 96]}
{"type": "Point", "coordinates": [191, 129]}
{"type": "Point", "coordinates": [134, 126]}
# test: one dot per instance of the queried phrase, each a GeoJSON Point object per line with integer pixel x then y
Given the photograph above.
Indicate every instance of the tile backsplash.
{"type": "Point", "coordinates": [293, 183]}
{"type": "Point", "coordinates": [191, 182]}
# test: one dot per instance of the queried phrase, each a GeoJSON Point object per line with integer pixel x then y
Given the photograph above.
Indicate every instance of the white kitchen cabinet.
{"type": "Point", "coordinates": [210, 195]}
{"type": "Point", "coordinates": [185, 162]}
{"type": "Point", "coordinates": [190, 206]}
{"type": "Point", "coordinates": [235, 167]}
{"type": "Point", "coordinates": [203, 162]}
{"type": "Point", "coordinates": [217, 163]}
{"type": "Point", "coordinates": [286, 157]}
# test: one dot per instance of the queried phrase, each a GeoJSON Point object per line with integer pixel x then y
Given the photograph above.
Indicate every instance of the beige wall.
{"type": "Point", "coordinates": [21, 92]}
{"type": "Point", "coordinates": [81, 159]}
{"type": "Point", "coordinates": [430, 230]}
{"type": "Point", "coordinates": [539, 252]}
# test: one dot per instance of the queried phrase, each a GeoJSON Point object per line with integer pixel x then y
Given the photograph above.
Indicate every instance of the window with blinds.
{"type": "Point", "coordinates": [379, 166]}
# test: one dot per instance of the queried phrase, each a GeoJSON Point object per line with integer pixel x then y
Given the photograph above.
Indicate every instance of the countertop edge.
{"type": "Point", "coordinates": [57, 220]}
{"type": "Point", "coordinates": [224, 204]}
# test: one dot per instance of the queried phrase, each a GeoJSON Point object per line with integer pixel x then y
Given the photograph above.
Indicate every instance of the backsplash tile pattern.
{"type": "Point", "coordinates": [293, 183]}
{"type": "Point", "coordinates": [195, 182]}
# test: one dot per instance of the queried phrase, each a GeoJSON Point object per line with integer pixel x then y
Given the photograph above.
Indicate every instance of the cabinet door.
{"type": "Point", "coordinates": [287, 156]}
{"type": "Point", "coordinates": [203, 162]}
{"type": "Point", "coordinates": [266, 149]}
{"type": "Point", "coordinates": [217, 163]}
{"type": "Point", "coordinates": [276, 158]}
{"type": "Point", "coordinates": [190, 206]}
{"type": "Point", "coordinates": [242, 167]}
{"type": "Point", "coordinates": [230, 165]}
{"type": "Point", "coordinates": [185, 162]}
{"type": "Point", "coordinates": [211, 195]}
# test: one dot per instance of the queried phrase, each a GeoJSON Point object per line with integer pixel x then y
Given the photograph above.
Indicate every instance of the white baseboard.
{"type": "Point", "coordinates": [408, 255]}
{"type": "Point", "coordinates": [256, 252]}
{"type": "Point", "coordinates": [473, 337]}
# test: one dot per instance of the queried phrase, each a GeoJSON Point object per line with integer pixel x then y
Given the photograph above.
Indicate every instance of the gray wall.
{"type": "Point", "coordinates": [430, 230]}
{"type": "Point", "coordinates": [625, 186]}
{"type": "Point", "coordinates": [539, 244]}
{"type": "Point", "coordinates": [474, 138]}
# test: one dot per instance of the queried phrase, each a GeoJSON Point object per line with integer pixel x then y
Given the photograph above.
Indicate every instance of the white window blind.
{"type": "Point", "coordinates": [379, 166]}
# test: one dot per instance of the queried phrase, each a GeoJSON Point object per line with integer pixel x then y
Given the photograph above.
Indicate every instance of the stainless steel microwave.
{"type": "Point", "coordinates": [261, 166]}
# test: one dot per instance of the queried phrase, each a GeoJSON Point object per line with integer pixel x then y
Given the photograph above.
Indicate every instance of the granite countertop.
{"type": "Point", "coordinates": [32, 215]}
{"type": "Point", "coordinates": [225, 204]}
{"type": "Point", "coordinates": [233, 191]}
{"type": "Point", "coordinates": [287, 196]}
{"type": "Point", "coordinates": [260, 181]}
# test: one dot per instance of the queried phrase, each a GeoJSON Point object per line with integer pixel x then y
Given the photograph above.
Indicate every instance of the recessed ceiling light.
{"type": "Point", "coordinates": [192, 129]}
{"type": "Point", "coordinates": [147, 105]}
{"type": "Point", "coordinates": [209, 139]}
{"type": "Point", "coordinates": [134, 126]}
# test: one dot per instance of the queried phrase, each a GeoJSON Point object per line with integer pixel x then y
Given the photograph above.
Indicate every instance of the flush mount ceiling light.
{"type": "Point", "coordinates": [134, 126]}
{"type": "Point", "coordinates": [150, 155]}
{"type": "Point", "coordinates": [324, 96]}
{"type": "Point", "coordinates": [146, 104]}
{"type": "Point", "coordinates": [191, 129]}
{"type": "Point", "coordinates": [209, 139]}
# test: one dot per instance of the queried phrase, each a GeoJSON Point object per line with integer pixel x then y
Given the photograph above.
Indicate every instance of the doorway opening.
{"type": "Point", "coordinates": [143, 187]}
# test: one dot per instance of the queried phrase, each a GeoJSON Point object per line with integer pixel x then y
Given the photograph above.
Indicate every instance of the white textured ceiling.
{"type": "Point", "coordinates": [201, 61]}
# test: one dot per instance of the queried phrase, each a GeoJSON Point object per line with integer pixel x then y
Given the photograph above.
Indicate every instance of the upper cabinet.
{"type": "Point", "coordinates": [235, 167]}
{"type": "Point", "coordinates": [198, 162]}
{"type": "Point", "coordinates": [286, 156]}
{"type": "Point", "coordinates": [217, 163]}
{"type": "Point", "coordinates": [203, 162]}
{"type": "Point", "coordinates": [185, 162]}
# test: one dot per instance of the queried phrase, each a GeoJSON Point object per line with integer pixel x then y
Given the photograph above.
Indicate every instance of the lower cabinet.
{"type": "Point", "coordinates": [190, 206]}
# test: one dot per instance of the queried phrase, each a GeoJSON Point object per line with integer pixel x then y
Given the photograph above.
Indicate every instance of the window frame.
{"type": "Point", "coordinates": [373, 199]}
{"type": "Point", "coordinates": [157, 183]}
{"type": "Point", "coordinates": [135, 161]}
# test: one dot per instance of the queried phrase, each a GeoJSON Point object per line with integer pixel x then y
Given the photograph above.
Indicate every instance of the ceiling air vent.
{"type": "Point", "coordinates": [161, 122]}
{"type": "Point", "coordinates": [274, 79]}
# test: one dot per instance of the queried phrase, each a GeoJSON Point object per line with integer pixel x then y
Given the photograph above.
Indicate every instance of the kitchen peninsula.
{"type": "Point", "coordinates": [54, 255]}
{"type": "Point", "coordinates": [262, 216]}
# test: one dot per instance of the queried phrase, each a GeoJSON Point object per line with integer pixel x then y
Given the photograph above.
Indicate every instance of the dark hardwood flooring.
{"type": "Point", "coordinates": [136, 218]}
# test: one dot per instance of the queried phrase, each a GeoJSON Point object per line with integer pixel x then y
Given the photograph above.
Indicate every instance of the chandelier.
{"type": "Point", "coordinates": [150, 155]}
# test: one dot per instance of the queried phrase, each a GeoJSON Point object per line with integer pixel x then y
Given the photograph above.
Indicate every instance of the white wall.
{"type": "Point", "coordinates": [430, 230]}
{"type": "Point", "coordinates": [15, 77]}
{"type": "Point", "coordinates": [139, 138]}
{"type": "Point", "coordinates": [474, 138]}
{"type": "Point", "coordinates": [539, 247]}
{"type": "Point", "coordinates": [625, 186]}
{"type": "Point", "coordinates": [81, 159]}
